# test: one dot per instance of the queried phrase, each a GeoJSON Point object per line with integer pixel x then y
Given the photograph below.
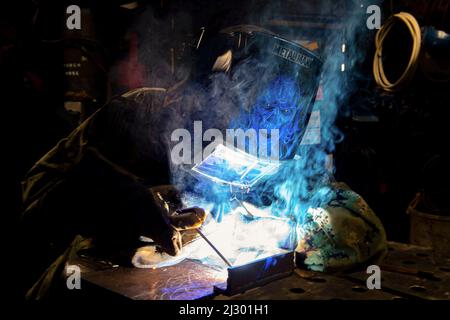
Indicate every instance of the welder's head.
{"type": "Point", "coordinates": [272, 81]}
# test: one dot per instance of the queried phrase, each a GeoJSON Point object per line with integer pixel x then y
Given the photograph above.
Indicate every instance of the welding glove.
{"type": "Point", "coordinates": [168, 199]}
{"type": "Point", "coordinates": [182, 221]}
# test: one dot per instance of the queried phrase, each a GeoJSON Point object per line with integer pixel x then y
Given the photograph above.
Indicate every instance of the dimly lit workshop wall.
{"type": "Point", "coordinates": [395, 143]}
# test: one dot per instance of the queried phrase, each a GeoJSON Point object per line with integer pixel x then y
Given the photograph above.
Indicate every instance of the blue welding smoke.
{"type": "Point", "coordinates": [304, 178]}
{"type": "Point", "coordinates": [306, 181]}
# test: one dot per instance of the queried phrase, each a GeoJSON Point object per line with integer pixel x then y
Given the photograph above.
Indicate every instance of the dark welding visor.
{"type": "Point", "coordinates": [277, 78]}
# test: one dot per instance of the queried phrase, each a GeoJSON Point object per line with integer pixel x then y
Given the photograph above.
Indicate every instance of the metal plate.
{"type": "Point", "coordinates": [306, 285]}
{"type": "Point", "coordinates": [413, 272]}
{"type": "Point", "coordinates": [416, 257]}
{"type": "Point", "coordinates": [258, 273]}
{"type": "Point", "coordinates": [187, 280]}
{"type": "Point", "coordinates": [192, 280]}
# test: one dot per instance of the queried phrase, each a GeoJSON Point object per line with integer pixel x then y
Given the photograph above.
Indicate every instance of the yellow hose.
{"type": "Point", "coordinates": [378, 71]}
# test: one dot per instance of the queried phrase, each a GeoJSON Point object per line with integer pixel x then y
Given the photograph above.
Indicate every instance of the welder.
{"type": "Point", "coordinates": [106, 184]}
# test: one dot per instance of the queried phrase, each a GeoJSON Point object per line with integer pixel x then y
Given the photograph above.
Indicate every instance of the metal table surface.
{"type": "Point", "coordinates": [408, 272]}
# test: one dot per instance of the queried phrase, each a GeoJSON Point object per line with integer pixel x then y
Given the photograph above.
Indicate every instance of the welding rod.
{"type": "Point", "coordinates": [214, 248]}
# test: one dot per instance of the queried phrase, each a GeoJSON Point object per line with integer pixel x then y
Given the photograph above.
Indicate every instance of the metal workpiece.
{"type": "Point", "coordinates": [308, 285]}
{"type": "Point", "coordinates": [407, 272]}
{"type": "Point", "coordinates": [257, 273]}
{"type": "Point", "coordinates": [413, 272]}
{"type": "Point", "coordinates": [186, 280]}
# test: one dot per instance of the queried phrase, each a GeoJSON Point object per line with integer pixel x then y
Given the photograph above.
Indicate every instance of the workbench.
{"type": "Point", "coordinates": [407, 272]}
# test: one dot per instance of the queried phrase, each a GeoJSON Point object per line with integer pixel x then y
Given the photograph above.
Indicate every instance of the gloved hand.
{"type": "Point", "coordinates": [179, 220]}
{"type": "Point", "coordinates": [182, 221]}
{"type": "Point", "coordinates": [134, 211]}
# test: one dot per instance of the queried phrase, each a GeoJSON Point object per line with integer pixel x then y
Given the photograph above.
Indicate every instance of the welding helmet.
{"type": "Point", "coordinates": [275, 79]}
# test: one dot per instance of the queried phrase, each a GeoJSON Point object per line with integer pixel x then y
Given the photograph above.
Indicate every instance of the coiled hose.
{"type": "Point", "coordinates": [378, 70]}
